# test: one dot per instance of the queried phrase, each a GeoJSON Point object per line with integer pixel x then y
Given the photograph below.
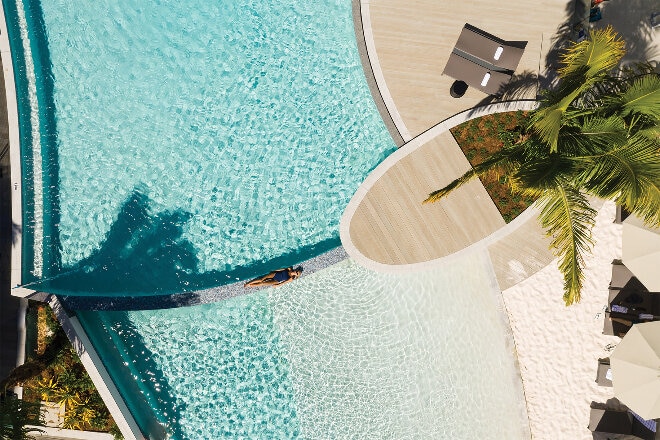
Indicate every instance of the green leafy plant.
{"type": "Point", "coordinates": [63, 380]}
{"type": "Point", "coordinates": [19, 419]}
{"type": "Point", "coordinates": [494, 139]}
{"type": "Point", "coordinates": [597, 134]}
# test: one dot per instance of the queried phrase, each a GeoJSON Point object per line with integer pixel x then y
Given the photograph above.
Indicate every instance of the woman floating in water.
{"type": "Point", "coordinates": [276, 278]}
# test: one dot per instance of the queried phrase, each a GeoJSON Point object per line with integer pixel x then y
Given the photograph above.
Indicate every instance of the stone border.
{"type": "Point", "coordinates": [97, 372]}
{"type": "Point", "coordinates": [369, 74]}
{"type": "Point", "coordinates": [14, 159]}
{"type": "Point", "coordinates": [370, 58]}
{"type": "Point", "coordinates": [408, 148]}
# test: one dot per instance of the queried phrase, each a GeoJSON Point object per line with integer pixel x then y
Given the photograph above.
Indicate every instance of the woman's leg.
{"type": "Point", "coordinates": [264, 280]}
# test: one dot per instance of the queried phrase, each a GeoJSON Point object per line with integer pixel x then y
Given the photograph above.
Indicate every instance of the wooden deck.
{"type": "Point", "coordinates": [408, 44]}
{"type": "Point", "coordinates": [414, 38]}
{"type": "Point", "coordinates": [392, 227]}
{"type": "Point", "coordinates": [387, 228]}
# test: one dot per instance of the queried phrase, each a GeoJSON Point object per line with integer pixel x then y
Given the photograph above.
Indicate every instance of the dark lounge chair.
{"type": "Point", "coordinates": [475, 75]}
{"type": "Point", "coordinates": [603, 374]}
{"type": "Point", "coordinates": [489, 48]}
{"type": "Point", "coordinates": [482, 60]}
{"type": "Point", "coordinates": [619, 424]}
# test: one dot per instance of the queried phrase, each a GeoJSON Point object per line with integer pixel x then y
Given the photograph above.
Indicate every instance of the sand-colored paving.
{"type": "Point", "coordinates": [393, 227]}
{"type": "Point", "coordinates": [413, 39]}
{"type": "Point", "coordinates": [387, 228]}
{"type": "Point", "coordinates": [520, 254]}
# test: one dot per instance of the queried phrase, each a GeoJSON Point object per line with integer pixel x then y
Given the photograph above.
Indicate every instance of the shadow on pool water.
{"type": "Point", "coordinates": [144, 254]}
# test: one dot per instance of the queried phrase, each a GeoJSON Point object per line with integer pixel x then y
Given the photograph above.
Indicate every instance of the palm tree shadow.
{"type": "Point", "coordinates": [145, 254]}
{"type": "Point", "coordinates": [16, 231]}
{"type": "Point", "coordinates": [631, 20]}
{"type": "Point", "coordinates": [142, 253]}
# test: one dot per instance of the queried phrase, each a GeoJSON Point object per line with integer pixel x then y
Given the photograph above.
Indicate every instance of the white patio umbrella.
{"type": "Point", "coordinates": [641, 252]}
{"type": "Point", "coordinates": [635, 365]}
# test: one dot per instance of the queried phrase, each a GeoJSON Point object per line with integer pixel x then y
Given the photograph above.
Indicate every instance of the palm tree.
{"type": "Point", "coordinates": [34, 367]}
{"type": "Point", "coordinates": [598, 135]}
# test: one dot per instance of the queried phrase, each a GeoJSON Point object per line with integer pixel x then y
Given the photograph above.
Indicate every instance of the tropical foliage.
{"type": "Point", "coordinates": [596, 134]}
{"type": "Point", "coordinates": [18, 418]}
{"type": "Point", "coordinates": [57, 375]}
{"type": "Point", "coordinates": [478, 139]}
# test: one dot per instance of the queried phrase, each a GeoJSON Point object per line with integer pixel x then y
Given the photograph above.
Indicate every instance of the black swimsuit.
{"type": "Point", "coordinates": [281, 276]}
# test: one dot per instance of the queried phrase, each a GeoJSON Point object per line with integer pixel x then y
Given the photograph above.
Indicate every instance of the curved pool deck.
{"type": "Point", "coordinates": [387, 228]}
{"type": "Point", "coordinates": [407, 44]}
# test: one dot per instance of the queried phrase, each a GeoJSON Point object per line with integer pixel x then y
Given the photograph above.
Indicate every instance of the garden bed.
{"type": "Point", "coordinates": [65, 382]}
{"type": "Point", "coordinates": [479, 139]}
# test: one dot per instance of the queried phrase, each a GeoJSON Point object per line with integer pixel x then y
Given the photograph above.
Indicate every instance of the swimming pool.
{"type": "Point", "coordinates": [184, 145]}
{"type": "Point", "coordinates": [342, 353]}
{"type": "Point", "coordinates": [187, 144]}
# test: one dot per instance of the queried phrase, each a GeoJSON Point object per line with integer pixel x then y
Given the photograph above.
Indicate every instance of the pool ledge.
{"type": "Point", "coordinates": [386, 228]}
{"type": "Point", "coordinates": [14, 158]}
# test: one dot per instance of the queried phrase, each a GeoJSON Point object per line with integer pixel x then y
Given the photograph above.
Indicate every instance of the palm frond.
{"type": "Point", "coordinates": [504, 159]}
{"type": "Point", "coordinates": [619, 172]}
{"type": "Point", "coordinates": [599, 54]}
{"type": "Point", "coordinates": [538, 174]}
{"type": "Point", "coordinates": [651, 133]}
{"type": "Point", "coordinates": [592, 135]}
{"type": "Point", "coordinates": [546, 123]}
{"type": "Point", "coordinates": [643, 96]}
{"type": "Point", "coordinates": [442, 192]}
{"type": "Point", "coordinates": [647, 206]}
{"type": "Point", "coordinates": [568, 219]}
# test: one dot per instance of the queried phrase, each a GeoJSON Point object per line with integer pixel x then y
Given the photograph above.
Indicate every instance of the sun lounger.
{"type": "Point", "coordinates": [604, 373]}
{"type": "Point", "coordinates": [482, 60]}
{"type": "Point", "coordinates": [617, 424]}
{"type": "Point", "coordinates": [475, 75]}
{"type": "Point", "coordinates": [489, 48]}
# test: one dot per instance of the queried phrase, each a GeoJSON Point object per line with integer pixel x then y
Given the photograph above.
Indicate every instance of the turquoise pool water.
{"type": "Point", "coordinates": [182, 145]}
{"type": "Point", "coordinates": [188, 144]}
{"type": "Point", "coordinates": [343, 353]}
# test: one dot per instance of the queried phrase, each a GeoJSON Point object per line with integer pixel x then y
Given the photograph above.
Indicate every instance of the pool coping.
{"type": "Point", "coordinates": [187, 299]}
{"type": "Point", "coordinates": [374, 74]}
{"type": "Point", "coordinates": [14, 159]}
{"type": "Point", "coordinates": [409, 148]}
